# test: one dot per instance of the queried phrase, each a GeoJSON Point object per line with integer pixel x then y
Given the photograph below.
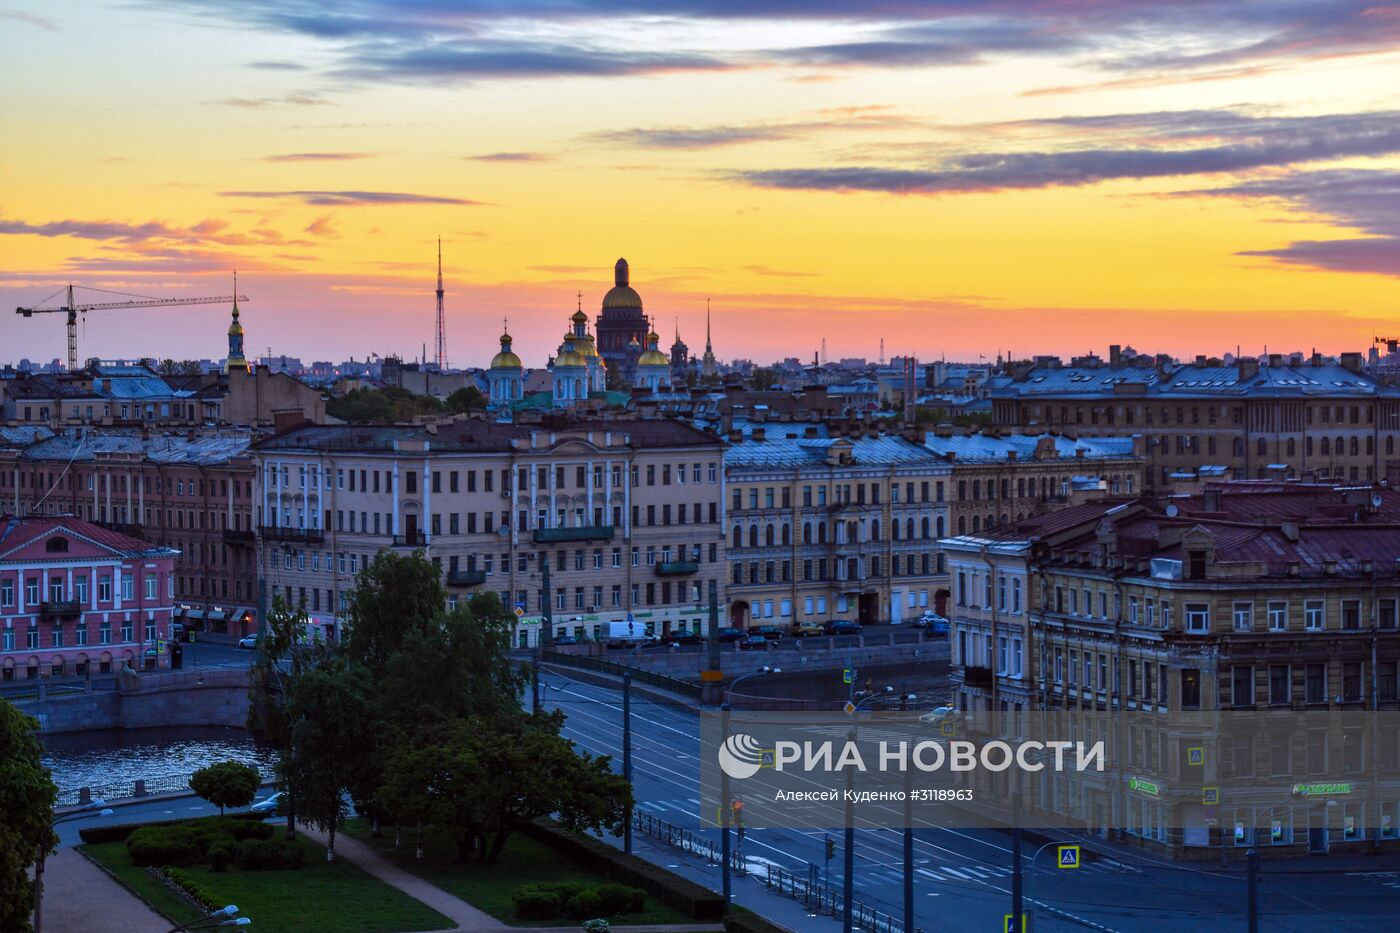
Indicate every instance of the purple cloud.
{"type": "Point", "coordinates": [318, 157]}
{"type": "Point", "coordinates": [352, 198]}
{"type": "Point", "coordinates": [510, 157]}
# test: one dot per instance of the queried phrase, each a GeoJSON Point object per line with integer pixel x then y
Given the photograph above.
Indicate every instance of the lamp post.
{"type": "Point", "coordinates": [848, 855]}
{"type": "Point", "coordinates": [223, 917]}
{"type": "Point", "coordinates": [95, 808]}
{"type": "Point", "coordinates": [743, 677]}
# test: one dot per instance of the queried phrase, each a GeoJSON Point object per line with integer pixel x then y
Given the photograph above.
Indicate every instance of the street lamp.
{"type": "Point", "coordinates": [742, 677]}
{"type": "Point", "coordinates": [95, 808]}
{"type": "Point", "coordinates": [223, 917]}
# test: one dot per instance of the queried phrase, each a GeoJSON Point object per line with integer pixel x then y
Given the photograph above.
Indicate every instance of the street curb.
{"type": "Point", "coordinates": [149, 798]}
{"type": "Point", "coordinates": [607, 680]}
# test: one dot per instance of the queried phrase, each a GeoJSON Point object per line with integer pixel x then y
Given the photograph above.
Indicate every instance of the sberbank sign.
{"type": "Point", "coordinates": [1143, 786]}
{"type": "Point", "coordinates": [1321, 790]}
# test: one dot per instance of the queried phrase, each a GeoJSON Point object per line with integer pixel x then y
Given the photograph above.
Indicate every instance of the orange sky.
{"type": "Point", "coordinates": [958, 179]}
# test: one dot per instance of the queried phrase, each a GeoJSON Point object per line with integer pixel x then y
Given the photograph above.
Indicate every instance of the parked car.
{"type": "Point", "coordinates": [842, 627]}
{"type": "Point", "coordinates": [936, 715]}
{"type": "Point", "coordinates": [248, 641]}
{"type": "Point", "coordinates": [269, 805]}
{"type": "Point", "coordinates": [566, 640]}
{"type": "Point", "coordinates": [684, 638]}
{"type": "Point", "coordinates": [770, 632]}
{"type": "Point", "coordinates": [807, 629]}
{"type": "Point", "coordinates": [753, 642]}
{"type": "Point", "coordinates": [933, 622]}
{"type": "Point", "coordinates": [730, 634]}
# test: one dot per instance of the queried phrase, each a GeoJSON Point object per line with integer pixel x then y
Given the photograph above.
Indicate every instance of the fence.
{"type": "Point", "coordinates": [55, 689]}
{"type": "Point", "coordinates": [814, 893]}
{"type": "Point", "coordinates": [639, 676]}
{"type": "Point", "coordinates": [160, 784]}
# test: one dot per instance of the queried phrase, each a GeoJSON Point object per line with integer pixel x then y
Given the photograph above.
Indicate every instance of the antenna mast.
{"type": "Point", "coordinates": [441, 318]}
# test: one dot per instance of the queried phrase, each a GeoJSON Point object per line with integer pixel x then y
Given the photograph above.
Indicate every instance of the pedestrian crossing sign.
{"type": "Point", "coordinates": [846, 675]}
{"type": "Point", "coordinates": [948, 727]}
{"type": "Point", "coordinates": [1068, 856]}
{"type": "Point", "coordinates": [1008, 924]}
{"type": "Point", "coordinates": [1210, 796]}
{"type": "Point", "coordinates": [1196, 755]}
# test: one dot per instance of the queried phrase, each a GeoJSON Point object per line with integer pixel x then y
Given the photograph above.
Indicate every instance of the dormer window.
{"type": "Point", "coordinates": [56, 546]}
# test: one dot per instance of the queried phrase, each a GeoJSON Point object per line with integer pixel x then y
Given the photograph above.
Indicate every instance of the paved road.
{"type": "Point", "coordinates": [963, 876]}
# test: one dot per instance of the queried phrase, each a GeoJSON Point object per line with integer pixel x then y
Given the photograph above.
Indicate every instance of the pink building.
{"type": "Point", "coordinates": [77, 598]}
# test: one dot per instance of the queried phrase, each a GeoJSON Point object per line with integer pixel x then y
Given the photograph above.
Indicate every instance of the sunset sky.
{"type": "Point", "coordinates": [959, 177]}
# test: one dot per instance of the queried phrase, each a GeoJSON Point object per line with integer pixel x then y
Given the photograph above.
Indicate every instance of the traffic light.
{"type": "Point", "coordinates": [830, 848]}
{"type": "Point", "coordinates": [739, 813]}
{"type": "Point", "coordinates": [741, 832]}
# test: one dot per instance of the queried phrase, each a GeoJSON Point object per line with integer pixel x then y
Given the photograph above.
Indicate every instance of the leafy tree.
{"type": "Point", "coordinates": [26, 806]}
{"type": "Point", "coordinates": [394, 596]}
{"type": "Point", "coordinates": [764, 379]}
{"type": "Point", "coordinates": [388, 405]}
{"type": "Point", "coordinates": [332, 719]}
{"type": "Point", "coordinates": [468, 398]}
{"type": "Point", "coordinates": [226, 784]}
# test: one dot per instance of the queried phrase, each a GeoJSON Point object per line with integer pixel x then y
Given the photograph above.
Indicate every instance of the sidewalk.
{"type": "Point", "coordinates": [468, 918]}
{"type": "Point", "coordinates": [68, 871]}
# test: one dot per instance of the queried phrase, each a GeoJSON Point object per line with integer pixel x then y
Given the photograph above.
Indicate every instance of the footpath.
{"type": "Point", "coordinates": [68, 871]}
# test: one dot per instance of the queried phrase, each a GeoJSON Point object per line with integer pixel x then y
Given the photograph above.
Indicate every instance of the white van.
{"type": "Point", "coordinates": [623, 634]}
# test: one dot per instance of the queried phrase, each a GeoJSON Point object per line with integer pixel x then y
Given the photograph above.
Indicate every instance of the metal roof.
{"type": "Point", "coordinates": [797, 452]}
{"type": "Point", "coordinates": [986, 447]}
{"type": "Point", "coordinates": [86, 444]}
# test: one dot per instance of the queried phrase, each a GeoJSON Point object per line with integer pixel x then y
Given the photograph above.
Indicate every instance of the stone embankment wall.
{"type": "Point", "coordinates": [177, 698]}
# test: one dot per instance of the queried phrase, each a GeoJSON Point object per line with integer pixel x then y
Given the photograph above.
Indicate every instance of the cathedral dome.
{"type": "Point", "coordinates": [653, 358]}
{"type": "Point", "coordinates": [506, 359]}
{"type": "Point", "coordinates": [622, 296]}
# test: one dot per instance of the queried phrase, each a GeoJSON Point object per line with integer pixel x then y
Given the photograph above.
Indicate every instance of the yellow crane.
{"type": "Point", "coordinates": [73, 309]}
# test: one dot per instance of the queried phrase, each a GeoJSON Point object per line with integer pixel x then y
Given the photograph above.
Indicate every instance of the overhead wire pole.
{"type": "Point", "coordinates": [627, 752]}
{"type": "Point", "coordinates": [441, 317]}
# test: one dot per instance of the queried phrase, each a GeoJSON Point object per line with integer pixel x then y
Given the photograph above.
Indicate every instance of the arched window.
{"type": "Point", "coordinates": [1390, 445]}
{"type": "Point", "coordinates": [821, 532]}
{"type": "Point", "coordinates": [1354, 448]}
{"type": "Point", "coordinates": [1340, 447]}
{"type": "Point", "coordinates": [962, 524]}
{"type": "Point", "coordinates": [787, 534]}
{"type": "Point", "coordinates": [768, 535]}
{"type": "Point", "coordinates": [909, 528]}
{"type": "Point", "coordinates": [875, 530]}
{"type": "Point", "coordinates": [1307, 446]}
{"type": "Point", "coordinates": [894, 529]}
{"type": "Point", "coordinates": [1326, 447]}
{"type": "Point", "coordinates": [806, 532]}
{"type": "Point", "coordinates": [939, 526]}
{"type": "Point", "coordinates": [753, 536]}
{"type": "Point", "coordinates": [976, 524]}
{"type": "Point", "coordinates": [1292, 447]}
{"type": "Point", "coordinates": [1263, 447]}
{"type": "Point", "coordinates": [1239, 447]}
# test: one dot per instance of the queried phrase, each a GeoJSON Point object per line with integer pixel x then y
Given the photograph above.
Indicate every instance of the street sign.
{"type": "Point", "coordinates": [1068, 856]}
{"type": "Point", "coordinates": [846, 675]}
{"type": "Point", "coordinates": [1143, 786]}
{"type": "Point", "coordinates": [1008, 923]}
{"type": "Point", "coordinates": [519, 613]}
{"type": "Point", "coordinates": [948, 727]}
{"type": "Point", "coordinates": [1210, 796]}
{"type": "Point", "coordinates": [160, 647]}
{"type": "Point", "coordinates": [849, 707]}
{"type": "Point", "coordinates": [1196, 755]}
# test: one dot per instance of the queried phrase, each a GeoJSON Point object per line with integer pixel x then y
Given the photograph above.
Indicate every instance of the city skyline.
{"type": "Point", "coordinates": [956, 179]}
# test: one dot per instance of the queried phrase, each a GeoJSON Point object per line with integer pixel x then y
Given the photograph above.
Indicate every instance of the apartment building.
{"type": "Point", "coordinates": [824, 528]}
{"type": "Point", "coordinates": [1227, 645]}
{"type": "Point", "coordinates": [627, 516]}
{"type": "Point", "coordinates": [999, 479]}
{"type": "Point", "coordinates": [188, 491]}
{"type": "Point", "coordinates": [1285, 417]}
{"type": "Point", "coordinates": [78, 599]}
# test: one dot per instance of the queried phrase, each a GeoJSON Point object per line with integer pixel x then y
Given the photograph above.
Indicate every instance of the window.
{"type": "Point", "coordinates": [1244, 616]}
{"type": "Point", "coordinates": [1280, 684]}
{"type": "Point", "coordinates": [1315, 682]}
{"type": "Point", "coordinates": [1351, 613]}
{"type": "Point", "coordinates": [1314, 615]}
{"type": "Point", "coordinates": [1190, 688]}
{"type": "Point", "coordinates": [1351, 682]}
{"type": "Point", "coordinates": [1242, 685]}
{"type": "Point", "coordinates": [1278, 616]}
{"type": "Point", "coordinates": [1198, 617]}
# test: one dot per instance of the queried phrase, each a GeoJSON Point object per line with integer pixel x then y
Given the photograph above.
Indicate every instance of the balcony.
{"type": "Point", "coordinates": [466, 577]}
{"type": "Point", "coordinates": [977, 676]}
{"type": "Point", "coordinates": [411, 539]}
{"type": "Point", "coordinates": [569, 535]}
{"type": "Point", "coordinates": [275, 533]}
{"type": "Point", "coordinates": [65, 609]}
{"type": "Point", "coordinates": [238, 536]}
{"type": "Point", "coordinates": [125, 528]}
{"type": "Point", "coordinates": [677, 568]}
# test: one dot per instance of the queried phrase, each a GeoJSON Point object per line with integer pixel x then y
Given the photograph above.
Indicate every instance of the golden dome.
{"type": "Point", "coordinates": [653, 358]}
{"type": "Point", "coordinates": [569, 358]}
{"type": "Point", "coordinates": [586, 346]}
{"type": "Point", "coordinates": [621, 295]}
{"type": "Point", "coordinates": [579, 317]}
{"type": "Point", "coordinates": [506, 360]}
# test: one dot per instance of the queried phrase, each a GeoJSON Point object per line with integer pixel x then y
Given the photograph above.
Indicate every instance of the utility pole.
{"type": "Point", "coordinates": [627, 752]}
{"type": "Point", "coordinates": [908, 848]}
{"type": "Point", "coordinates": [1016, 879]}
{"type": "Point", "coordinates": [712, 635]}
{"type": "Point", "coordinates": [848, 857]}
{"type": "Point", "coordinates": [1253, 856]}
{"type": "Point", "coordinates": [724, 810]}
{"type": "Point", "coordinates": [546, 607]}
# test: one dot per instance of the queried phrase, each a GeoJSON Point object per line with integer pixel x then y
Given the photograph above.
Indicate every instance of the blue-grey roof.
{"type": "Point", "coordinates": [21, 435]}
{"type": "Point", "coordinates": [984, 447]}
{"type": "Point", "coordinates": [1191, 381]}
{"type": "Point", "coordinates": [85, 444]}
{"type": "Point", "coordinates": [796, 452]}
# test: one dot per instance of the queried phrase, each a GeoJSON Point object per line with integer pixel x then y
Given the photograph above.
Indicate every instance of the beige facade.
{"type": "Point", "coordinates": [628, 517]}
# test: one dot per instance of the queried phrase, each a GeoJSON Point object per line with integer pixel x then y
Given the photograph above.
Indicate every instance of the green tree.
{"type": "Point", "coordinates": [26, 808]}
{"type": "Point", "coordinates": [764, 379]}
{"type": "Point", "coordinates": [397, 594]}
{"type": "Point", "coordinates": [332, 720]}
{"type": "Point", "coordinates": [466, 399]}
{"type": "Point", "coordinates": [226, 784]}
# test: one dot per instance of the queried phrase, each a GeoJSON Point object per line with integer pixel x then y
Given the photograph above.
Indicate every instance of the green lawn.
{"type": "Point", "coordinates": [489, 887]}
{"type": "Point", "coordinates": [318, 898]}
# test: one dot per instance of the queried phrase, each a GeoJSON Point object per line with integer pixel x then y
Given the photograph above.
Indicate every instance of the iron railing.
{"type": "Point", "coordinates": [640, 676]}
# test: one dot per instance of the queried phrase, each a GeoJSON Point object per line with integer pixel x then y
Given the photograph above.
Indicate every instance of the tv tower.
{"type": "Point", "coordinates": [441, 318]}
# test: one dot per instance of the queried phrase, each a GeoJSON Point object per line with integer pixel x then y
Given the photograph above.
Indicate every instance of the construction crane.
{"type": "Point", "coordinates": [73, 309]}
{"type": "Point", "coordinates": [1390, 342]}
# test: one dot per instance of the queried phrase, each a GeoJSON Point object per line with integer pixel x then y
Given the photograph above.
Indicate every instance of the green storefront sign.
{"type": "Point", "coordinates": [1149, 788]}
{"type": "Point", "coordinates": [1321, 790]}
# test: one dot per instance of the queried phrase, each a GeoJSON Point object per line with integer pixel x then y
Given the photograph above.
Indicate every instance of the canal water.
{"type": "Point", "coordinates": [122, 756]}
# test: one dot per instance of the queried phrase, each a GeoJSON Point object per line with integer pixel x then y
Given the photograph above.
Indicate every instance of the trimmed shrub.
{"type": "Point", "coordinates": [193, 888]}
{"type": "Point", "coordinates": [686, 896]}
{"type": "Point", "coordinates": [118, 832]}
{"type": "Point", "coordinates": [219, 857]}
{"type": "Point", "coordinates": [620, 899]}
{"type": "Point", "coordinates": [585, 904]}
{"type": "Point", "coordinates": [160, 845]}
{"type": "Point", "coordinates": [269, 855]}
{"type": "Point", "coordinates": [535, 905]}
